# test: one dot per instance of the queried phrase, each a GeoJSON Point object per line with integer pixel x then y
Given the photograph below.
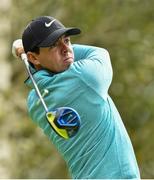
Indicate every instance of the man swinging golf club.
{"type": "Point", "coordinates": [78, 76]}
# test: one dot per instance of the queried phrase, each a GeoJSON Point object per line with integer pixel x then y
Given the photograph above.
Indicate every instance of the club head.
{"type": "Point", "coordinates": [65, 121]}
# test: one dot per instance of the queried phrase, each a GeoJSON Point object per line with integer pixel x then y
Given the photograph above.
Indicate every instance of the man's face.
{"type": "Point", "coordinates": [58, 57]}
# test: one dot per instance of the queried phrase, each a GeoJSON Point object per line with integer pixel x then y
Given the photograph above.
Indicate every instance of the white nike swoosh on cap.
{"type": "Point", "coordinates": [49, 24]}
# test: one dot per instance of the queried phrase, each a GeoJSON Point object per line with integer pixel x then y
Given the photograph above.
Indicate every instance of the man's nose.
{"type": "Point", "coordinates": [65, 47]}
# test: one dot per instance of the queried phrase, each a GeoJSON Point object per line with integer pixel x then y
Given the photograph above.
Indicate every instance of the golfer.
{"type": "Point", "coordinates": [78, 76]}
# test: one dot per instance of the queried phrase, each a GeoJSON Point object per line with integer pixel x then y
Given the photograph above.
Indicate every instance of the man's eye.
{"type": "Point", "coordinates": [67, 40]}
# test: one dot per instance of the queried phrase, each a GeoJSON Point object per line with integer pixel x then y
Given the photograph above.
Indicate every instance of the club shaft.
{"type": "Point", "coordinates": [24, 58]}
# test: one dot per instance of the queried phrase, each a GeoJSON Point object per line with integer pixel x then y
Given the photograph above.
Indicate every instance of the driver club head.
{"type": "Point", "coordinates": [66, 121]}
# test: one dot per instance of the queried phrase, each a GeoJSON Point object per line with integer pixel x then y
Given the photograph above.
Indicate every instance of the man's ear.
{"type": "Point", "coordinates": [33, 58]}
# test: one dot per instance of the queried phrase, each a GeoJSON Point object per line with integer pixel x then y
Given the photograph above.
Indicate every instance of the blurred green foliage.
{"type": "Point", "coordinates": [126, 29]}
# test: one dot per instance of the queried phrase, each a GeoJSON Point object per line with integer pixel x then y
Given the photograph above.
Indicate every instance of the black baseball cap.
{"type": "Point", "coordinates": [44, 31]}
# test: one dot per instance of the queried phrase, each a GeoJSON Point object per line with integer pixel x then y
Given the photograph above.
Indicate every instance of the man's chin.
{"type": "Point", "coordinates": [68, 60]}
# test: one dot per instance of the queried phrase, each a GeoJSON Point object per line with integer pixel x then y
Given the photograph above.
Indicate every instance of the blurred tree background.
{"type": "Point", "coordinates": [126, 29]}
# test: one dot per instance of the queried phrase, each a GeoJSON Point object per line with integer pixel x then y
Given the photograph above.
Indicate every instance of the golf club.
{"type": "Point", "coordinates": [65, 121]}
